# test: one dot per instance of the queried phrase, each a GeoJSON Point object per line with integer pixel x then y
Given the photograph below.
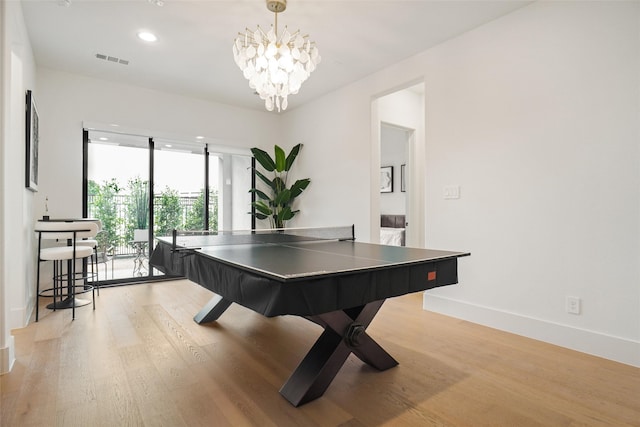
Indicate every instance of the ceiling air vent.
{"type": "Point", "coordinates": [112, 59]}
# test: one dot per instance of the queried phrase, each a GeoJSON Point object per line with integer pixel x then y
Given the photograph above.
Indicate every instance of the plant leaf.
{"type": "Point", "coordinates": [283, 197]}
{"type": "Point", "coordinates": [280, 159]}
{"type": "Point", "coordinates": [286, 214]}
{"type": "Point", "coordinates": [259, 193]}
{"type": "Point", "coordinates": [264, 159]}
{"type": "Point", "coordinates": [265, 180]}
{"type": "Point", "coordinates": [299, 186]}
{"type": "Point", "coordinates": [262, 207]}
{"type": "Point", "coordinates": [292, 156]}
{"type": "Point", "coordinates": [277, 185]}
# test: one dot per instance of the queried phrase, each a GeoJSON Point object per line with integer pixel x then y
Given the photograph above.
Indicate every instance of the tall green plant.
{"type": "Point", "coordinates": [195, 215]}
{"type": "Point", "coordinates": [168, 212]}
{"type": "Point", "coordinates": [137, 206]}
{"type": "Point", "coordinates": [276, 203]}
{"type": "Point", "coordinates": [105, 208]}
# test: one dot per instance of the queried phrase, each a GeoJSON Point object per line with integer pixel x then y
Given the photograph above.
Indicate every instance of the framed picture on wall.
{"type": "Point", "coordinates": [403, 187]}
{"type": "Point", "coordinates": [386, 179]}
{"type": "Point", "coordinates": [32, 132]}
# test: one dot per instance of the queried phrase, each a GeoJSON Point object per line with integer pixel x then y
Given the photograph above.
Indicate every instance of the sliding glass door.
{"type": "Point", "coordinates": [179, 188]}
{"type": "Point", "coordinates": [117, 194]}
{"type": "Point", "coordinates": [141, 187]}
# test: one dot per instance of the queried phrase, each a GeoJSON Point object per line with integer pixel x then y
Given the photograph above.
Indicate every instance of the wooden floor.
{"type": "Point", "coordinates": [140, 360]}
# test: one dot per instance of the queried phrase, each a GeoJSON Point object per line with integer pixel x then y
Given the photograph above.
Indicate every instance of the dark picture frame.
{"type": "Point", "coordinates": [386, 179]}
{"type": "Point", "coordinates": [32, 141]}
{"type": "Point", "coordinates": [403, 186]}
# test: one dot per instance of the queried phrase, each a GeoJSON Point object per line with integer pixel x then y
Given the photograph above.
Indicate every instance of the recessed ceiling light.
{"type": "Point", "coordinates": [199, 137]}
{"type": "Point", "coordinates": [102, 138]}
{"type": "Point", "coordinates": [167, 145]}
{"type": "Point", "coordinates": [147, 36]}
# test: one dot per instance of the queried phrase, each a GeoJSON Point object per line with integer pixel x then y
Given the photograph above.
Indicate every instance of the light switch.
{"type": "Point", "coordinates": [451, 192]}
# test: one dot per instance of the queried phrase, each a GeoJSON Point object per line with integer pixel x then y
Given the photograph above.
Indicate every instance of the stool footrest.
{"type": "Point", "coordinates": [64, 292]}
{"type": "Point", "coordinates": [68, 303]}
{"type": "Point", "coordinates": [78, 276]}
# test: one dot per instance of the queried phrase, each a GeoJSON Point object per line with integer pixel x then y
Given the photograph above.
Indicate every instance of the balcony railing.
{"type": "Point", "coordinates": [121, 225]}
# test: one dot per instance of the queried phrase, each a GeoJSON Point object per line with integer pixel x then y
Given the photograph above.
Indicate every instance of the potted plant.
{"type": "Point", "coordinates": [138, 209]}
{"type": "Point", "coordinates": [276, 203]}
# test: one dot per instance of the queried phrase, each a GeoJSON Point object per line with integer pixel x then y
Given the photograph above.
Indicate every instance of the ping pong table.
{"type": "Point", "coordinates": [323, 275]}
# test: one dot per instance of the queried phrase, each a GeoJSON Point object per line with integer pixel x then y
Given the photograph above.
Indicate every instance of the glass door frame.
{"type": "Point", "coordinates": [150, 276]}
{"type": "Point", "coordinates": [85, 210]}
{"type": "Point", "coordinates": [151, 179]}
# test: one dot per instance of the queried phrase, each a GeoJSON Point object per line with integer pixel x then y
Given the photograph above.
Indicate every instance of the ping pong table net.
{"type": "Point", "coordinates": [192, 240]}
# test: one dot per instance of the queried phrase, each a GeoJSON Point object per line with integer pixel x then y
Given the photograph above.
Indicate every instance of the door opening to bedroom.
{"type": "Point", "coordinates": [394, 143]}
{"type": "Point", "coordinates": [399, 120]}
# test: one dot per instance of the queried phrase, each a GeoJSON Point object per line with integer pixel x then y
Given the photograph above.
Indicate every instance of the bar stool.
{"type": "Point", "coordinates": [93, 243]}
{"type": "Point", "coordinates": [70, 232]}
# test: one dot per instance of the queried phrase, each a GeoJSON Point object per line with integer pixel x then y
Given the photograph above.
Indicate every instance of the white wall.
{"type": "Point", "coordinates": [336, 156]}
{"type": "Point", "coordinates": [542, 136]}
{"type": "Point", "coordinates": [402, 108]}
{"type": "Point", "coordinates": [535, 116]}
{"type": "Point", "coordinates": [17, 75]}
{"type": "Point", "coordinates": [68, 100]}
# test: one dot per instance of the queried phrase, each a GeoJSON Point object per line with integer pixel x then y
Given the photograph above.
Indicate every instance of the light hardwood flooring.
{"type": "Point", "coordinates": [140, 360]}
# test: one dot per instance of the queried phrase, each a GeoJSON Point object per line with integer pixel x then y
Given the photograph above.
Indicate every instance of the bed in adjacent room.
{"type": "Point", "coordinates": [392, 229]}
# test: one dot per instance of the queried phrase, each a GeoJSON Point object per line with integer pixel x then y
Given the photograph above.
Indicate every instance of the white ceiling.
{"type": "Point", "coordinates": [193, 55]}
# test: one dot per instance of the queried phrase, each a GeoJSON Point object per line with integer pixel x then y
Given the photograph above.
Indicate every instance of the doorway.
{"type": "Point", "coordinates": [394, 145]}
{"type": "Point", "coordinates": [398, 141]}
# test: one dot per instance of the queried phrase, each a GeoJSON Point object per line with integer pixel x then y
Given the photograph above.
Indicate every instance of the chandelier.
{"type": "Point", "coordinates": [275, 65]}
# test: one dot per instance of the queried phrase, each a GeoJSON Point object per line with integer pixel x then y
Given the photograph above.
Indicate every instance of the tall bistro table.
{"type": "Point", "coordinates": [69, 302]}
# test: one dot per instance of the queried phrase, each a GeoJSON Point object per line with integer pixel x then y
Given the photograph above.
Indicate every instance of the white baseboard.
{"type": "Point", "coordinates": [595, 343]}
{"type": "Point", "coordinates": [18, 318]}
{"type": "Point", "coordinates": [7, 356]}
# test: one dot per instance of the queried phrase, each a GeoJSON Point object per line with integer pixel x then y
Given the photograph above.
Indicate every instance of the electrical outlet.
{"type": "Point", "coordinates": [573, 305]}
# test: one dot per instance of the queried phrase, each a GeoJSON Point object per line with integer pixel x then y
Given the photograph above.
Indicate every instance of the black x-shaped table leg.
{"type": "Point", "coordinates": [344, 333]}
